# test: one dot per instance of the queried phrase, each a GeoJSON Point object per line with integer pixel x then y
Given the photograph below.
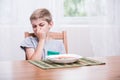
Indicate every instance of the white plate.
{"type": "Point", "coordinates": [64, 58]}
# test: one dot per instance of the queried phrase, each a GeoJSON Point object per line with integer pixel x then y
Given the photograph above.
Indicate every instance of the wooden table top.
{"type": "Point", "coordinates": [22, 70]}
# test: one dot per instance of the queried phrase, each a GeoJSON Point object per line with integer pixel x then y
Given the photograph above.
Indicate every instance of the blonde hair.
{"type": "Point", "coordinates": [43, 14]}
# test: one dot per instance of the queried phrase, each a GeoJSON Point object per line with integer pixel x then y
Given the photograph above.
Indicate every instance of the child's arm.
{"type": "Point", "coordinates": [35, 54]}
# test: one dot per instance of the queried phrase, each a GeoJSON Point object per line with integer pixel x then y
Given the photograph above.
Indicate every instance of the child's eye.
{"type": "Point", "coordinates": [41, 25]}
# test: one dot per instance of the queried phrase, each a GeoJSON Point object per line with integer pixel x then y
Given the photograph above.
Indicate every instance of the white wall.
{"type": "Point", "coordinates": [85, 39]}
{"type": "Point", "coordinates": [94, 40]}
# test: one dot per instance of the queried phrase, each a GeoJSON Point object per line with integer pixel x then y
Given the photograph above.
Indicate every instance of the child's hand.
{"type": "Point", "coordinates": [41, 34]}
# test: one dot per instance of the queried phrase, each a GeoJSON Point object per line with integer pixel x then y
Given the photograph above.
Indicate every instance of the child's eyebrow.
{"type": "Point", "coordinates": [41, 23]}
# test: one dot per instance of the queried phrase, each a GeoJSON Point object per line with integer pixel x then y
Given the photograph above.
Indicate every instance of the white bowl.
{"type": "Point", "coordinates": [64, 58]}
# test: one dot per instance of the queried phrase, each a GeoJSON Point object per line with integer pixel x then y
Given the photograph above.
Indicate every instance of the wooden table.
{"type": "Point", "coordinates": [22, 70]}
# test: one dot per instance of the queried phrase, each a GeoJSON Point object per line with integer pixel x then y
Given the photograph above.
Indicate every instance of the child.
{"type": "Point", "coordinates": [37, 48]}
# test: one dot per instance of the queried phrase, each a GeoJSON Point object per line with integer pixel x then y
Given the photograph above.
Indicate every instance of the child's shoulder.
{"type": "Point", "coordinates": [30, 38]}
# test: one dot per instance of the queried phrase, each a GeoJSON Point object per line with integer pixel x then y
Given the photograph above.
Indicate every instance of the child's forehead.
{"type": "Point", "coordinates": [38, 21]}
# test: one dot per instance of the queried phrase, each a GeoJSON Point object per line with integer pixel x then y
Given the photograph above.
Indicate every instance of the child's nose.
{"type": "Point", "coordinates": [38, 27]}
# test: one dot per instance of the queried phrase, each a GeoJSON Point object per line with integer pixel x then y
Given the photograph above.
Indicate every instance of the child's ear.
{"type": "Point", "coordinates": [51, 23]}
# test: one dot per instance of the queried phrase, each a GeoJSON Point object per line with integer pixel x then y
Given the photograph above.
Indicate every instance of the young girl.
{"type": "Point", "coordinates": [37, 48]}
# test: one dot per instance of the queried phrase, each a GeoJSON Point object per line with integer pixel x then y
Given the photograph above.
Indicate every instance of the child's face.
{"type": "Point", "coordinates": [40, 25]}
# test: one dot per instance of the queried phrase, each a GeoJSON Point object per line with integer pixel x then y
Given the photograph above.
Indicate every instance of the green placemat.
{"type": "Point", "coordinates": [50, 65]}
